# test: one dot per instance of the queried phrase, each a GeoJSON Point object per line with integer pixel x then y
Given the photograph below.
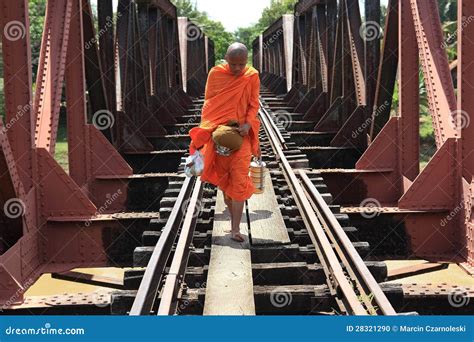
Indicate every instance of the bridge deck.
{"type": "Point", "coordinates": [229, 287]}
{"type": "Point", "coordinates": [266, 222]}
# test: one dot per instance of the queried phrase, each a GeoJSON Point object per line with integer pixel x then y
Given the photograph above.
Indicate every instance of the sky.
{"type": "Point", "coordinates": [241, 13]}
{"type": "Point", "coordinates": [234, 14]}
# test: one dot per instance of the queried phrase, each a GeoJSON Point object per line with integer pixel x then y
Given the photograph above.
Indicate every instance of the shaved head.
{"type": "Point", "coordinates": [237, 56]}
{"type": "Point", "coordinates": [237, 49]}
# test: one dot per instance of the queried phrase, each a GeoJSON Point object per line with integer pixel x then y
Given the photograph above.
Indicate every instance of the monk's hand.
{"type": "Point", "coordinates": [244, 129]}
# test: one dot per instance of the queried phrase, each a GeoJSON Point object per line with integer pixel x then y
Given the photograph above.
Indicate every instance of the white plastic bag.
{"type": "Point", "coordinates": [194, 164]}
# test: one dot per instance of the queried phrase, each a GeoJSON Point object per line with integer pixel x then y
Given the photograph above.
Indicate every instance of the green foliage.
{"type": "Point", "coordinates": [221, 38]}
{"type": "Point", "coordinates": [211, 28]}
{"type": "Point", "coordinates": [37, 11]}
{"type": "Point", "coordinates": [273, 12]}
{"type": "Point", "coordinates": [448, 16]}
{"type": "Point", "coordinates": [246, 35]}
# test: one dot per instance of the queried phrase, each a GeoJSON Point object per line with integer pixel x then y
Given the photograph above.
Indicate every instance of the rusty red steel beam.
{"type": "Point", "coordinates": [51, 73]}
{"type": "Point", "coordinates": [164, 5]}
{"type": "Point", "coordinates": [436, 71]}
{"type": "Point", "coordinates": [372, 51]}
{"type": "Point", "coordinates": [107, 51]}
{"type": "Point", "coordinates": [354, 24]}
{"type": "Point", "coordinates": [387, 71]}
{"type": "Point", "coordinates": [17, 86]}
{"type": "Point", "coordinates": [97, 73]}
{"type": "Point", "coordinates": [409, 122]}
{"type": "Point", "coordinates": [464, 121]}
{"type": "Point", "coordinates": [61, 222]}
{"type": "Point", "coordinates": [389, 169]}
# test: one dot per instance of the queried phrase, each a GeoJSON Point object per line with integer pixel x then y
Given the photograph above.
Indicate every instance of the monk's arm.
{"type": "Point", "coordinates": [210, 91]}
{"type": "Point", "coordinates": [252, 111]}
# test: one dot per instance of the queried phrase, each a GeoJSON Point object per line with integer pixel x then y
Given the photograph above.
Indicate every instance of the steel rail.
{"type": "Point", "coordinates": [272, 124]}
{"type": "Point", "coordinates": [175, 275]}
{"type": "Point", "coordinates": [329, 238]}
{"type": "Point", "coordinates": [149, 286]}
{"type": "Point", "coordinates": [337, 279]}
{"type": "Point", "coordinates": [347, 252]}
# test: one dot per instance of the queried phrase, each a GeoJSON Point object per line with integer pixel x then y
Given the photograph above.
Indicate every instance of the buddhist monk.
{"type": "Point", "coordinates": [232, 93]}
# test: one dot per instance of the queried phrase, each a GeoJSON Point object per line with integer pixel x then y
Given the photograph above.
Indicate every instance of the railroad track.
{"type": "Point", "coordinates": [348, 277]}
{"type": "Point", "coordinates": [320, 270]}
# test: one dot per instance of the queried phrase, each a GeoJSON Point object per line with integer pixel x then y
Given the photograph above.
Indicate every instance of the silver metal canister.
{"type": "Point", "coordinates": [257, 173]}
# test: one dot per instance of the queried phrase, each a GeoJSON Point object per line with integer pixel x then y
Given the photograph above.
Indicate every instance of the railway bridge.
{"type": "Point", "coordinates": [349, 223]}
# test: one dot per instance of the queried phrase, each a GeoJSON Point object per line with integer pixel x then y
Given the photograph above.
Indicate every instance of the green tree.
{"type": "Point", "coordinates": [246, 35]}
{"type": "Point", "coordinates": [273, 12]}
{"type": "Point", "coordinates": [213, 29]}
{"type": "Point", "coordinates": [36, 11]}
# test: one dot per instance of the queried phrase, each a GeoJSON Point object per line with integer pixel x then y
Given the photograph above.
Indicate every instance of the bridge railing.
{"type": "Point", "coordinates": [343, 82]}
{"type": "Point", "coordinates": [122, 87]}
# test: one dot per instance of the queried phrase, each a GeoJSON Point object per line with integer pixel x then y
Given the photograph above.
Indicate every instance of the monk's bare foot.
{"type": "Point", "coordinates": [237, 237]}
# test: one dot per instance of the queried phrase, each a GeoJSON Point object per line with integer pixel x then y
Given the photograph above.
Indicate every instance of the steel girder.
{"type": "Point", "coordinates": [54, 221]}
{"type": "Point", "coordinates": [361, 83]}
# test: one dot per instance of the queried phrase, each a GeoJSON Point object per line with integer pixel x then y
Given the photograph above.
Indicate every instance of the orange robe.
{"type": "Point", "coordinates": [229, 97]}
